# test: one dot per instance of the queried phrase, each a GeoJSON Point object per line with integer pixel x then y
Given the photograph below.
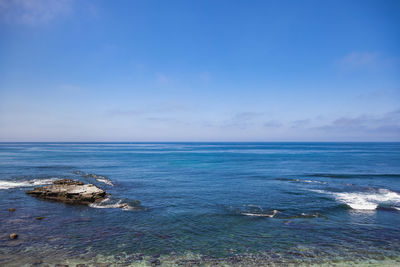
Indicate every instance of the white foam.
{"type": "Point", "coordinates": [365, 200]}
{"type": "Point", "coordinates": [104, 180]}
{"type": "Point", "coordinates": [27, 183]}
{"type": "Point", "coordinates": [313, 181]}
{"type": "Point", "coordinates": [261, 214]}
{"type": "Point", "coordinates": [98, 178]}
{"type": "Point", "coordinates": [257, 214]}
{"type": "Point", "coordinates": [118, 205]}
{"type": "Point", "coordinates": [303, 181]}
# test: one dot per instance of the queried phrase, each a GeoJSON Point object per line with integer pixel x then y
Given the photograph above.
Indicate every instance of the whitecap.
{"type": "Point", "coordinates": [261, 214]}
{"type": "Point", "coordinates": [301, 180]}
{"type": "Point", "coordinates": [98, 178]}
{"type": "Point", "coordinates": [313, 181]}
{"type": "Point", "coordinates": [118, 205]}
{"type": "Point", "coordinates": [104, 180]}
{"type": "Point", "coordinates": [26, 183]}
{"type": "Point", "coordinates": [365, 200]}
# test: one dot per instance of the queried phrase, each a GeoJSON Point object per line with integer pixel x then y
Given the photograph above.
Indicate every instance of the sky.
{"type": "Point", "coordinates": [199, 70]}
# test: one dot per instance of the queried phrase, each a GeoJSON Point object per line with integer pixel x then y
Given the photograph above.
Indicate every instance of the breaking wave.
{"type": "Point", "coordinates": [274, 212]}
{"type": "Point", "coordinates": [365, 200]}
{"type": "Point", "coordinates": [253, 211]}
{"type": "Point", "coordinates": [98, 178]}
{"type": "Point", "coordinates": [27, 183]}
{"type": "Point", "coordinates": [300, 180]}
{"type": "Point", "coordinates": [105, 181]}
{"type": "Point", "coordinates": [354, 175]}
{"type": "Point", "coordinates": [107, 204]}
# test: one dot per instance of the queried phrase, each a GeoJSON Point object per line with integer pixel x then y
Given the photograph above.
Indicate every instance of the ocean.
{"type": "Point", "coordinates": [240, 204]}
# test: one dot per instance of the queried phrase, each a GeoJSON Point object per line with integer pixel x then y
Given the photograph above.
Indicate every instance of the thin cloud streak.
{"type": "Point", "coordinates": [242, 120]}
{"type": "Point", "coordinates": [384, 125]}
{"type": "Point", "coordinates": [367, 61]}
{"type": "Point", "coordinates": [360, 59]}
{"type": "Point", "coordinates": [272, 124]}
{"type": "Point", "coordinates": [33, 12]}
{"type": "Point", "coordinates": [172, 107]}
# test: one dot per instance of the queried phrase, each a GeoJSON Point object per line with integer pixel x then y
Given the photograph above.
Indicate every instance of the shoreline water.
{"type": "Point", "coordinates": [196, 260]}
{"type": "Point", "coordinates": [186, 259]}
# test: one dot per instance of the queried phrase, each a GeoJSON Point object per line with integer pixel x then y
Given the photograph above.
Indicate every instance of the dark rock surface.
{"type": "Point", "coordinates": [67, 182]}
{"type": "Point", "coordinates": [155, 262]}
{"type": "Point", "coordinates": [13, 236]}
{"type": "Point", "coordinates": [38, 262]}
{"type": "Point", "coordinates": [69, 191]}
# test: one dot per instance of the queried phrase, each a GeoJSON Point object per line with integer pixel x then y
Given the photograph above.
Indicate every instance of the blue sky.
{"type": "Point", "coordinates": [199, 70]}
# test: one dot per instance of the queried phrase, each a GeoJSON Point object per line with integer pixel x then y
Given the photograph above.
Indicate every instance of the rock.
{"type": "Point", "coordinates": [81, 265]}
{"type": "Point", "coordinates": [68, 182]}
{"type": "Point", "coordinates": [40, 218]}
{"type": "Point", "coordinates": [11, 209]}
{"type": "Point", "coordinates": [13, 236]}
{"type": "Point", "coordinates": [70, 192]}
{"type": "Point", "coordinates": [155, 262]}
{"type": "Point", "coordinates": [38, 262]}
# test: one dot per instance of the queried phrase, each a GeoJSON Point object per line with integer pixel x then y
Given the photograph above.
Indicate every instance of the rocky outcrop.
{"type": "Point", "coordinates": [70, 191]}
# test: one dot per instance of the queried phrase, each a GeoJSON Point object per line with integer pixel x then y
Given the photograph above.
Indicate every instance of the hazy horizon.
{"type": "Point", "coordinates": [204, 71]}
{"type": "Point", "coordinates": [198, 142]}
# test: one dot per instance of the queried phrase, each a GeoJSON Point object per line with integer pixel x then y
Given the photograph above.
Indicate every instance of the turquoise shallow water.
{"type": "Point", "coordinates": [204, 203]}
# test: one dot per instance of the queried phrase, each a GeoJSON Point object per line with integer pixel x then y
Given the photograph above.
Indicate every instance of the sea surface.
{"type": "Point", "coordinates": [242, 204]}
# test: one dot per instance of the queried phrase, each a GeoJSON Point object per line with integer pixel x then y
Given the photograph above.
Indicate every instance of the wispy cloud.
{"type": "Point", "coordinates": [171, 107]}
{"type": "Point", "coordinates": [383, 94]}
{"type": "Point", "coordinates": [242, 120]}
{"type": "Point", "coordinates": [300, 123]}
{"type": "Point", "coordinates": [366, 60]}
{"type": "Point", "coordinates": [163, 79]}
{"type": "Point", "coordinates": [166, 120]}
{"type": "Point", "coordinates": [360, 59]}
{"type": "Point", "coordinates": [272, 124]}
{"type": "Point", "coordinates": [33, 12]}
{"type": "Point", "coordinates": [387, 124]}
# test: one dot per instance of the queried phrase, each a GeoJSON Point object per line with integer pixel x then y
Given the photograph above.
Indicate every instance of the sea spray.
{"type": "Point", "coordinates": [5, 184]}
{"type": "Point", "coordinates": [365, 200]}
{"type": "Point", "coordinates": [98, 177]}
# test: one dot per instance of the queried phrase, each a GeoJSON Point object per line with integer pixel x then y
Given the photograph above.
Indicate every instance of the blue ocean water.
{"type": "Point", "coordinates": [277, 202]}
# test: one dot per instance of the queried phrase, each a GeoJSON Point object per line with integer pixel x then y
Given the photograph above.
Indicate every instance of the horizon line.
{"type": "Point", "coordinates": [160, 142]}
